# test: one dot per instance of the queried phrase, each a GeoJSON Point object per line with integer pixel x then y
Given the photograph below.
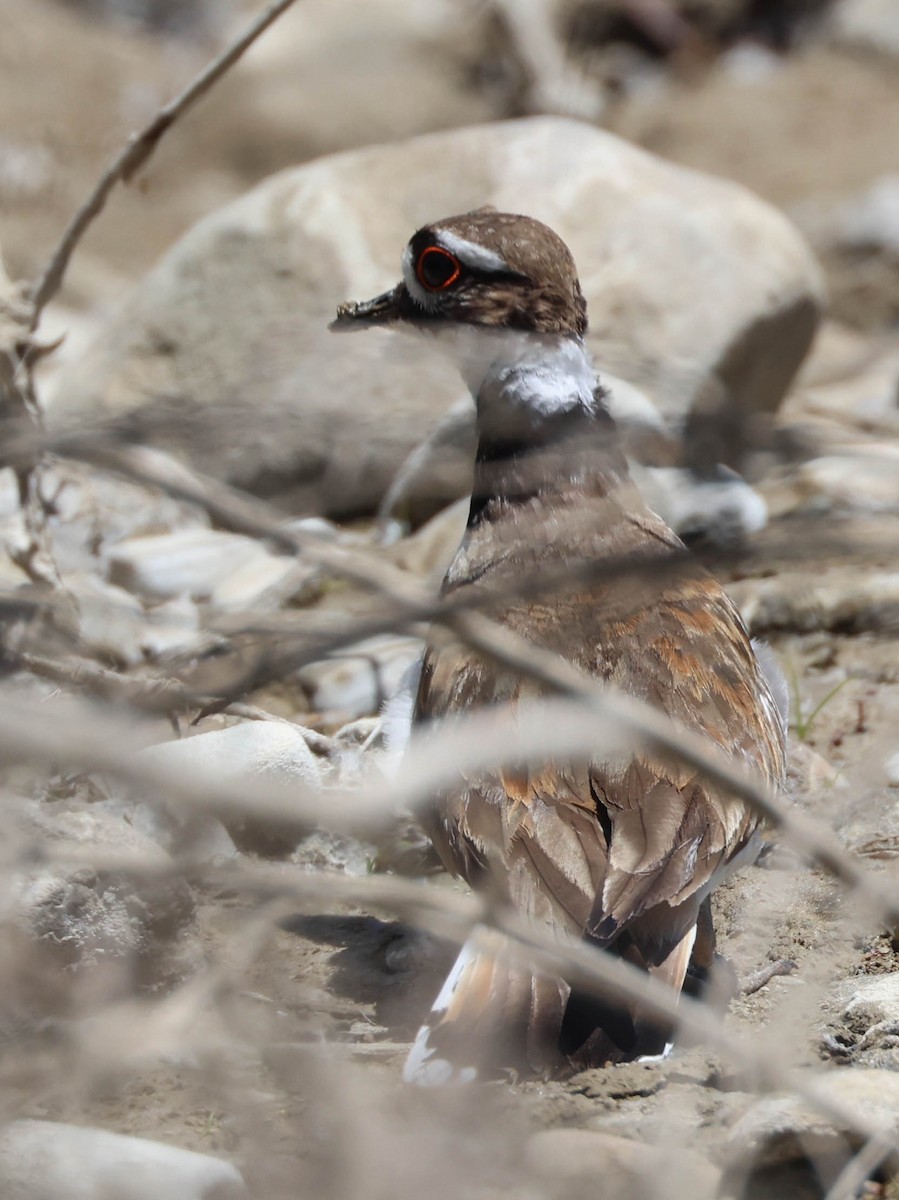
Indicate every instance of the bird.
{"type": "Point", "coordinates": [621, 851]}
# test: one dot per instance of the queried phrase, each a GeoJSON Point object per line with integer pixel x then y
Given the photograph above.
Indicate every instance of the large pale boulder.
{"type": "Point", "coordinates": [700, 295]}
{"type": "Point", "coordinates": [252, 753]}
{"type": "Point", "coordinates": [780, 1134]}
{"type": "Point", "coordinates": [46, 1160]}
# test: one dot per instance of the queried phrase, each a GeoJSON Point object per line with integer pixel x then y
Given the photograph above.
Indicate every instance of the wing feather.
{"type": "Point", "coordinates": [598, 847]}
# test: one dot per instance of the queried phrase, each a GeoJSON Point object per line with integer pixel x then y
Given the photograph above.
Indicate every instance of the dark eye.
{"type": "Point", "coordinates": [437, 269]}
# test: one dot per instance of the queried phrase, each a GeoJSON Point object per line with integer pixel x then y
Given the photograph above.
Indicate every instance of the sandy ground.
{"type": "Point", "coordinates": [298, 1078]}
{"type": "Point", "coordinates": [298, 1066]}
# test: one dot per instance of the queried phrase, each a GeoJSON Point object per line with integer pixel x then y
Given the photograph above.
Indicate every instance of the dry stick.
{"type": "Point", "coordinates": [242, 513]}
{"type": "Point", "coordinates": [236, 511]}
{"type": "Point", "coordinates": [36, 558]}
{"type": "Point", "coordinates": [154, 693]}
{"type": "Point", "coordinates": [239, 512]}
{"type": "Point", "coordinates": [137, 151]}
{"type": "Point", "coordinates": [445, 914]}
{"type": "Point", "coordinates": [27, 733]}
{"type": "Point", "coordinates": [500, 644]}
{"type": "Point", "coordinates": [578, 964]}
{"type": "Point", "coordinates": [453, 916]}
{"type": "Point", "coordinates": [858, 1170]}
{"type": "Point", "coordinates": [19, 404]}
{"type": "Point", "coordinates": [601, 975]}
{"type": "Point", "coordinates": [318, 743]}
{"type": "Point", "coordinates": [150, 693]}
{"type": "Point", "coordinates": [758, 979]}
{"type": "Point", "coordinates": [131, 158]}
{"type": "Point", "coordinates": [424, 906]}
{"type": "Point", "coordinates": [96, 741]}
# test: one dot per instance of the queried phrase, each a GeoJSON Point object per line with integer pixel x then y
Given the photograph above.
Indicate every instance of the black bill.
{"type": "Point", "coordinates": [362, 314]}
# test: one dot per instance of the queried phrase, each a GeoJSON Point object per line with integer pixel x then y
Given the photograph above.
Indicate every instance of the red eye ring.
{"type": "Point", "coordinates": [437, 269]}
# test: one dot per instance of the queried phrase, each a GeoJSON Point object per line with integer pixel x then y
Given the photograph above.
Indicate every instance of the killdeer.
{"type": "Point", "coordinates": [622, 851]}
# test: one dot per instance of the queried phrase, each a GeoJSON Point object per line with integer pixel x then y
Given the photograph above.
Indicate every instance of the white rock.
{"type": "Point", "coordinates": [172, 627]}
{"type": "Point", "coordinates": [245, 750]}
{"type": "Point", "coordinates": [110, 620]}
{"type": "Point", "coordinates": [843, 600]}
{"type": "Point", "coordinates": [93, 510]}
{"type": "Point", "coordinates": [43, 1160]}
{"type": "Point", "coordinates": [247, 753]}
{"type": "Point", "coordinates": [326, 530]}
{"type": "Point", "coordinates": [261, 584]}
{"type": "Point", "coordinates": [873, 1000]}
{"type": "Point", "coordinates": [721, 507]}
{"type": "Point", "coordinates": [892, 770]}
{"type": "Point", "coordinates": [225, 569]}
{"type": "Point", "coordinates": [781, 1129]}
{"type": "Point", "coordinates": [751, 63]}
{"type": "Point", "coordinates": [358, 680]}
{"type": "Point", "coordinates": [203, 836]}
{"type": "Point", "coordinates": [864, 481]}
{"type": "Point", "coordinates": [429, 551]}
{"type": "Point", "coordinates": [87, 917]}
{"type": "Point", "coordinates": [340, 417]}
{"type": "Point", "coordinates": [871, 221]}
{"type": "Point", "coordinates": [873, 24]}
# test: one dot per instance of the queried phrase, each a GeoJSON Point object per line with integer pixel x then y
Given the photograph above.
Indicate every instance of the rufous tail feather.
{"type": "Point", "coordinates": [492, 1014]}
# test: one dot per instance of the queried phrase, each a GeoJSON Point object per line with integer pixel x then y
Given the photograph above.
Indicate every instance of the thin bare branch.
{"type": "Point", "coordinates": [318, 743]}
{"type": "Point", "coordinates": [137, 151]}
{"type": "Point", "coordinates": [599, 721]}
{"type": "Point", "coordinates": [91, 738]}
{"type": "Point", "coordinates": [150, 693]}
{"type": "Point", "coordinates": [860, 1168]}
{"type": "Point", "coordinates": [453, 916]}
{"type": "Point", "coordinates": [496, 643]}
{"type": "Point", "coordinates": [758, 979]}
{"type": "Point", "coordinates": [609, 710]}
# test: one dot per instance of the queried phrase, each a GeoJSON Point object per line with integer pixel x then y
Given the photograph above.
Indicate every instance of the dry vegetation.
{"type": "Point", "coordinates": [240, 971]}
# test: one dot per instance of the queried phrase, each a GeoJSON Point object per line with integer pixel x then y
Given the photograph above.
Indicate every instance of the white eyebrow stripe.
{"type": "Point", "coordinates": [479, 258]}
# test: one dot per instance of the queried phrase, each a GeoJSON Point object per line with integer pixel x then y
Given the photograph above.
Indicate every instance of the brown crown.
{"type": "Point", "coordinates": [509, 272]}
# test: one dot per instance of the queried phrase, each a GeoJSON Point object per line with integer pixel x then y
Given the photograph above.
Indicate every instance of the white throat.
{"type": "Point", "coordinates": [517, 371]}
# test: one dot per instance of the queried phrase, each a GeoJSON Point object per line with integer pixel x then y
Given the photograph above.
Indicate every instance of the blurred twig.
{"type": "Point", "coordinates": [136, 152]}
{"type": "Point", "coordinates": [598, 723]}
{"type": "Point", "coordinates": [453, 916]}
{"type": "Point", "coordinates": [19, 407]}
{"type": "Point", "coordinates": [554, 81]}
{"type": "Point", "coordinates": [406, 601]}
{"type": "Point", "coordinates": [849, 1182]}
{"type": "Point", "coordinates": [20, 310]}
{"type": "Point", "coordinates": [154, 693]}
{"type": "Point", "coordinates": [496, 643]}
{"type": "Point", "coordinates": [91, 738]}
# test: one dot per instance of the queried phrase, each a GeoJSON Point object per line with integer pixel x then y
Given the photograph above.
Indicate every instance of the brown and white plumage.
{"type": "Point", "coordinates": [622, 850]}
